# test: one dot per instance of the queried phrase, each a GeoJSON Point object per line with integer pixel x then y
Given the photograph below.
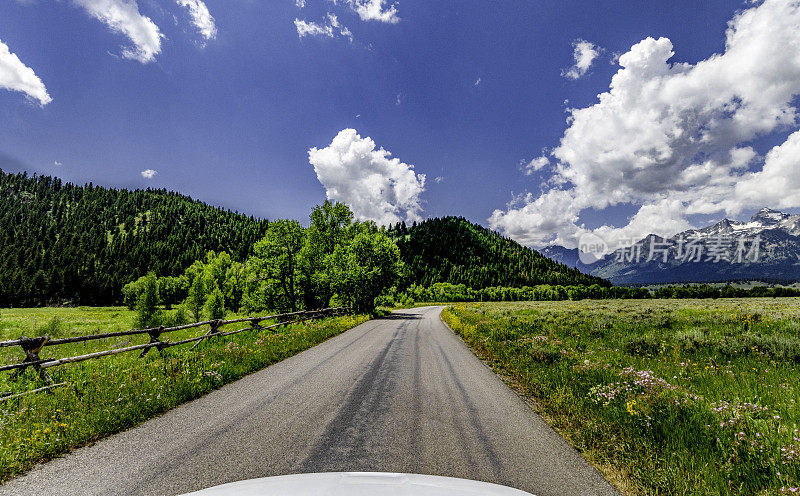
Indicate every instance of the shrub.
{"type": "Point", "coordinates": [53, 328]}
{"type": "Point", "coordinates": [385, 300]}
{"type": "Point", "coordinates": [692, 340]}
{"type": "Point", "coordinates": [643, 345]}
{"type": "Point", "coordinates": [545, 354]}
{"type": "Point", "coordinates": [176, 318]}
{"type": "Point", "coordinates": [147, 312]}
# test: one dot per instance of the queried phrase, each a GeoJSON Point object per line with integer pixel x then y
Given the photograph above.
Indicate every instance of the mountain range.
{"type": "Point", "coordinates": [765, 248]}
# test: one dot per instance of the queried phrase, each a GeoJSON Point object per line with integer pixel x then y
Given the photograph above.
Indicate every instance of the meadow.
{"type": "Point", "coordinates": [666, 397]}
{"type": "Point", "coordinates": [105, 396]}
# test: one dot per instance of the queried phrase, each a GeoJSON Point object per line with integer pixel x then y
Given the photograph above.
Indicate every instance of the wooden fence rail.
{"type": "Point", "coordinates": [32, 346]}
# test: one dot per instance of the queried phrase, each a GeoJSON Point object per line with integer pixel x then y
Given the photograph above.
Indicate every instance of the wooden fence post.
{"type": "Point", "coordinates": [32, 347]}
{"type": "Point", "coordinates": [154, 335]}
{"type": "Point", "coordinates": [214, 329]}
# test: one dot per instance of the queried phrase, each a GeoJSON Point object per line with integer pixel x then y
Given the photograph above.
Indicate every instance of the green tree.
{"type": "Point", "coordinates": [234, 286]}
{"type": "Point", "coordinates": [197, 297]}
{"type": "Point", "coordinates": [172, 290]}
{"type": "Point", "coordinates": [365, 267]}
{"type": "Point", "coordinates": [131, 292]}
{"type": "Point", "coordinates": [215, 305]}
{"type": "Point", "coordinates": [147, 312]}
{"type": "Point", "coordinates": [275, 263]}
{"type": "Point", "coordinates": [330, 227]}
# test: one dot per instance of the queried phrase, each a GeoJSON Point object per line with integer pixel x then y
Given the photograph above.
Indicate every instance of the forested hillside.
{"type": "Point", "coordinates": [454, 250]}
{"type": "Point", "coordinates": [63, 243]}
{"type": "Point", "coordinates": [60, 242]}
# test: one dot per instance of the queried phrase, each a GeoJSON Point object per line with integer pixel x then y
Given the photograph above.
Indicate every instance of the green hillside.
{"type": "Point", "coordinates": [80, 244]}
{"type": "Point", "coordinates": [64, 243]}
{"type": "Point", "coordinates": [454, 250]}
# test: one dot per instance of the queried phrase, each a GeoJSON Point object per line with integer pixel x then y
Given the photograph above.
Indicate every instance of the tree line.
{"type": "Point", "coordinates": [727, 291]}
{"type": "Point", "coordinates": [447, 292]}
{"type": "Point", "coordinates": [336, 261]}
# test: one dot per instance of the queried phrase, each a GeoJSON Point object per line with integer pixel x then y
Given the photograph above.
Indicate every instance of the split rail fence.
{"type": "Point", "coordinates": [33, 346]}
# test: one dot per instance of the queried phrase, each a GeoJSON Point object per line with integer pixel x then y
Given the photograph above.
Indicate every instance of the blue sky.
{"type": "Point", "coordinates": [465, 92]}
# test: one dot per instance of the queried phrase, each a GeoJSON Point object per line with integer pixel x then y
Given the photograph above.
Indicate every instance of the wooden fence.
{"type": "Point", "coordinates": [33, 346]}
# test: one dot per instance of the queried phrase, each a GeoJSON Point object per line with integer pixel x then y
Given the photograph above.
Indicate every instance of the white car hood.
{"type": "Point", "coordinates": [359, 484]}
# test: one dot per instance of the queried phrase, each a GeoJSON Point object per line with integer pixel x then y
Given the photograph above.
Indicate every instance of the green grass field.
{"type": "Point", "coordinates": [118, 392]}
{"type": "Point", "coordinates": [667, 397]}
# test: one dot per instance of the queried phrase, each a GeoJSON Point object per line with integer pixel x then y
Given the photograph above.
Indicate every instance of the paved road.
{"type": "Point", "coordinates": [400, 394]}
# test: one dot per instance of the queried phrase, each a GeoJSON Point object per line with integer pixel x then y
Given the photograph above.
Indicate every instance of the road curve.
{"type": "Point", "coordinates": [398, 394]}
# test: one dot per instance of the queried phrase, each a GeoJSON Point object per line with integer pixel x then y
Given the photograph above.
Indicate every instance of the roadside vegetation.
{"type": "Point", "coordinates": [105, 396]}
{"type": "Point", "coordinates": [683, 397]}
{"type": "Point", "coordinates": [453, 293]}
{"type": "Point", "coordinates": [336, 261]}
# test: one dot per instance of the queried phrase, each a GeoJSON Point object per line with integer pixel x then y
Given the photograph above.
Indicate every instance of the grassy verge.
{"type": "Point", "coordinates": [690, 397]}
{"type": "Point", "coordinates": [109, 395]}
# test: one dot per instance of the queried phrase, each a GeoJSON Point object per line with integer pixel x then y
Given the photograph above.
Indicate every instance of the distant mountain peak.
{"type": "Point", "coordinates": [776, 233]}
{"type": "Point", "coordinates": [768, 216]}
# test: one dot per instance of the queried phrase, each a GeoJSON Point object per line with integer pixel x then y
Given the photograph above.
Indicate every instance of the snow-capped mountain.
{"type": "Point", "coordinates": [763, 220]}
{"type": "Point", "coordinates": [767, 247]}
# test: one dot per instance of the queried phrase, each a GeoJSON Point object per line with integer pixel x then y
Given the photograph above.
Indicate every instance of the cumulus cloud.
{"type": "Point", "coordinates": [149, 173]}
{"type": "Point", "coordinates": [374, 10]}
{"type": "Point", "coordinates": [777, 184]}
{"type": "Point", "coordinates": [16, 76]}
{"type": "Point", "coordinates": [534, 165]}
{"type": "Point", "coordinates": [57, 163]}
{"type": "Point", "coordinates": [331, 29]}
{"type": "Point", "coordinates": [201, 18]}
{"type": "Point", "coordinates": [679, 135]}
{"type": "Point", "coordinates": [375, 185]}
{"type": "Point", "coordinates": [300, 3]}
{"type": "Point", "coordinates": [584, 53]}
{"type": "Point", "coordinates": [123, 17]}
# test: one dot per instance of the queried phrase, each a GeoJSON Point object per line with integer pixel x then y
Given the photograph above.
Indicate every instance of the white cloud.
{"type": "Point", "coordinates": [374, 10]}
{"type": "Point", "coordinates": [122, 16]}
{"type": "Point", "coordinates": [201, 18]}
{"type": "Point", "coordinates": [331, 29]}
{"type": "Point", "coordinates": [778, 182]}
{"type": "Point", "coordinates": [149, 173]}
{"type": "Point", "coordinates": [16, 76]}
{"type": "Point", "coordinates": [533, 221]}
{"type": "Point", "coordinates": [375, 185]}
{"type": "Point", "coordinates": [534, 165]}
{"type": "Point", "coordinates": [57, 163]}
{"type": "Point", "coordinates": [478, 82]}
{"type": "Point", "coordinates": [664, 218]}
{"type": "Point", "coordinates": [679, 135]}
{"type": "Point", "coordinates": [300, 3]}
{"type": "Point", "coordinates": [438, 179]}
{"type": "Point", "coordinates": [584, 53]}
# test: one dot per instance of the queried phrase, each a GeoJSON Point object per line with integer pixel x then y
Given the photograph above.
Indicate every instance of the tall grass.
{"type": "Point", "coordinates": [109, 395]}
{"type": "Point", "coordinates": [691, 397]}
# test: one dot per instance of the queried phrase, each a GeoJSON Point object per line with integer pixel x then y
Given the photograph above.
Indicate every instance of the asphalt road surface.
{"type": "Point", "coordinates": [399, 394]}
